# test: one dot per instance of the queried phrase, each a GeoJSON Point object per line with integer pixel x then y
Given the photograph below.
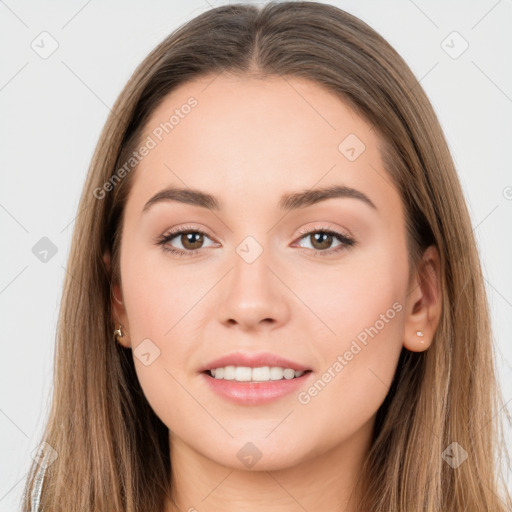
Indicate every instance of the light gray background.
{"type": "Point", "coordinates": [52, 111]}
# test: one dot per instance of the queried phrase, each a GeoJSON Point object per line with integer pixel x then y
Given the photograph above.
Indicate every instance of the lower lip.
{"type": "Point", "coordinates": [254, 393]}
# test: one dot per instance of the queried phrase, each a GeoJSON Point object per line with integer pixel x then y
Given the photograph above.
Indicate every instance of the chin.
{"type": "Point", "coordinates": [260, 454]}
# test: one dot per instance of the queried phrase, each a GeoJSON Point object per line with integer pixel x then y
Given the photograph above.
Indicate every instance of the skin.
{"type": "Point", "coordinates": [247, 142]}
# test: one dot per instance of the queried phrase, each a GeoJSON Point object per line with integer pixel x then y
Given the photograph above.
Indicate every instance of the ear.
{"type": "Point", "coordinates": [424, 303]}
{"type": "Point", "coordinates": [118, 310]}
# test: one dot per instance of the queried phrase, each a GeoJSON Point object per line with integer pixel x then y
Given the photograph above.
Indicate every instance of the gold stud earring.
{"type": "Point", "coordinates": [118, 333]}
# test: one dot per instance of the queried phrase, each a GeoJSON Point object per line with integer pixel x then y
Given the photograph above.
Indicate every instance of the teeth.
{"type": "Point", "coordinates": [260, 374]}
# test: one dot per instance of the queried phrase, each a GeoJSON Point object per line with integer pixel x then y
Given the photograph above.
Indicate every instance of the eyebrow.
{"type": "Point", "coordinates": [288, 202]}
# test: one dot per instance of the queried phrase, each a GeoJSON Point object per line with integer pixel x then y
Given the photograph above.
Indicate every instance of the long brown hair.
{"type": "Point", "coordinates": [112, 451]}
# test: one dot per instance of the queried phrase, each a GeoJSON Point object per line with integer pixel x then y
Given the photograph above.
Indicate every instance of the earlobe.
{"type": "Point", "coordinates": [120, 336]}
{"type": "Point", "coordinates": [424, 303]}
{"type": "Point", "coordinates": [120, 319]}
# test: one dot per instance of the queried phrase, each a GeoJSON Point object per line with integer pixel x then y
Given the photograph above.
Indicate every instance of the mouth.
{"type": "Point", "coordinates": [255, 386]}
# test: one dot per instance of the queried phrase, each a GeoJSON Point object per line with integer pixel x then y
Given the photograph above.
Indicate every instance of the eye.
{"type": "Point", "coordinates": [191, 240]}
{"type": "Point", "coordinates": [323, 238]}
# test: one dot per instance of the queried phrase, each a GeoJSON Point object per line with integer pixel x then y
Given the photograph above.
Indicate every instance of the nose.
{"type": "Point", "coordinates": [253, 296]}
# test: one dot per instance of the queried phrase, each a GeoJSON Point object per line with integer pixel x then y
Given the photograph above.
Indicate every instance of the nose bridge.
{"type": "Point", "coordinates": [251, 266]}
{"type": "Point", "coordinates": [253, 293]}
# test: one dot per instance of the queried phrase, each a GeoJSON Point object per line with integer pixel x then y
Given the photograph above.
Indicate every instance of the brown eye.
{"type": "Point", "coordinates": [322, 240]}
{"type": "Point", "coordinates": [184, 241]}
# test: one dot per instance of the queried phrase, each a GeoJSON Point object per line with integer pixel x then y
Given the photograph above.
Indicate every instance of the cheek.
{"type": "Point", "coordinates": [362, 305]}
{"type": "Point", "coordinates": [158, 305]}
{"type": "Point", "coordinates": [362, 292]}
{"type": "Point", "coordinates": [158, 300]}
{"type": "Point", "coordinates": [158, 294]}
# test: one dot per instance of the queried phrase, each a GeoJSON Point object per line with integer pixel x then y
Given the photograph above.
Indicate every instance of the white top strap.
{"type": "Point", "coordinates": [35, 496]}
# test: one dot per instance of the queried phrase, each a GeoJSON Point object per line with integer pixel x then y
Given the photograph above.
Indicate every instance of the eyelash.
{"type": "Point", "coordinates": [346, 241]}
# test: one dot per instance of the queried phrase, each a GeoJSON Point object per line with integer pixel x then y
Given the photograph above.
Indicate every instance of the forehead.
{"type": "Point", "coordinates": [248, 138]}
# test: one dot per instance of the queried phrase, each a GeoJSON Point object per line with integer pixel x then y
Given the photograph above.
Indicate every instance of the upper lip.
{"type": "Point", "coordinates": [253, 360]}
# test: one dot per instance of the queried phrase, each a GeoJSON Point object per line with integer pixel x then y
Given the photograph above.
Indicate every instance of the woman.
{"type": "Point", "coordinates": [274, 298]}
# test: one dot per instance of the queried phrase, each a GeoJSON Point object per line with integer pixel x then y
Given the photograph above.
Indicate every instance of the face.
{"type": "Point", "coordinates": [321, 282]}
